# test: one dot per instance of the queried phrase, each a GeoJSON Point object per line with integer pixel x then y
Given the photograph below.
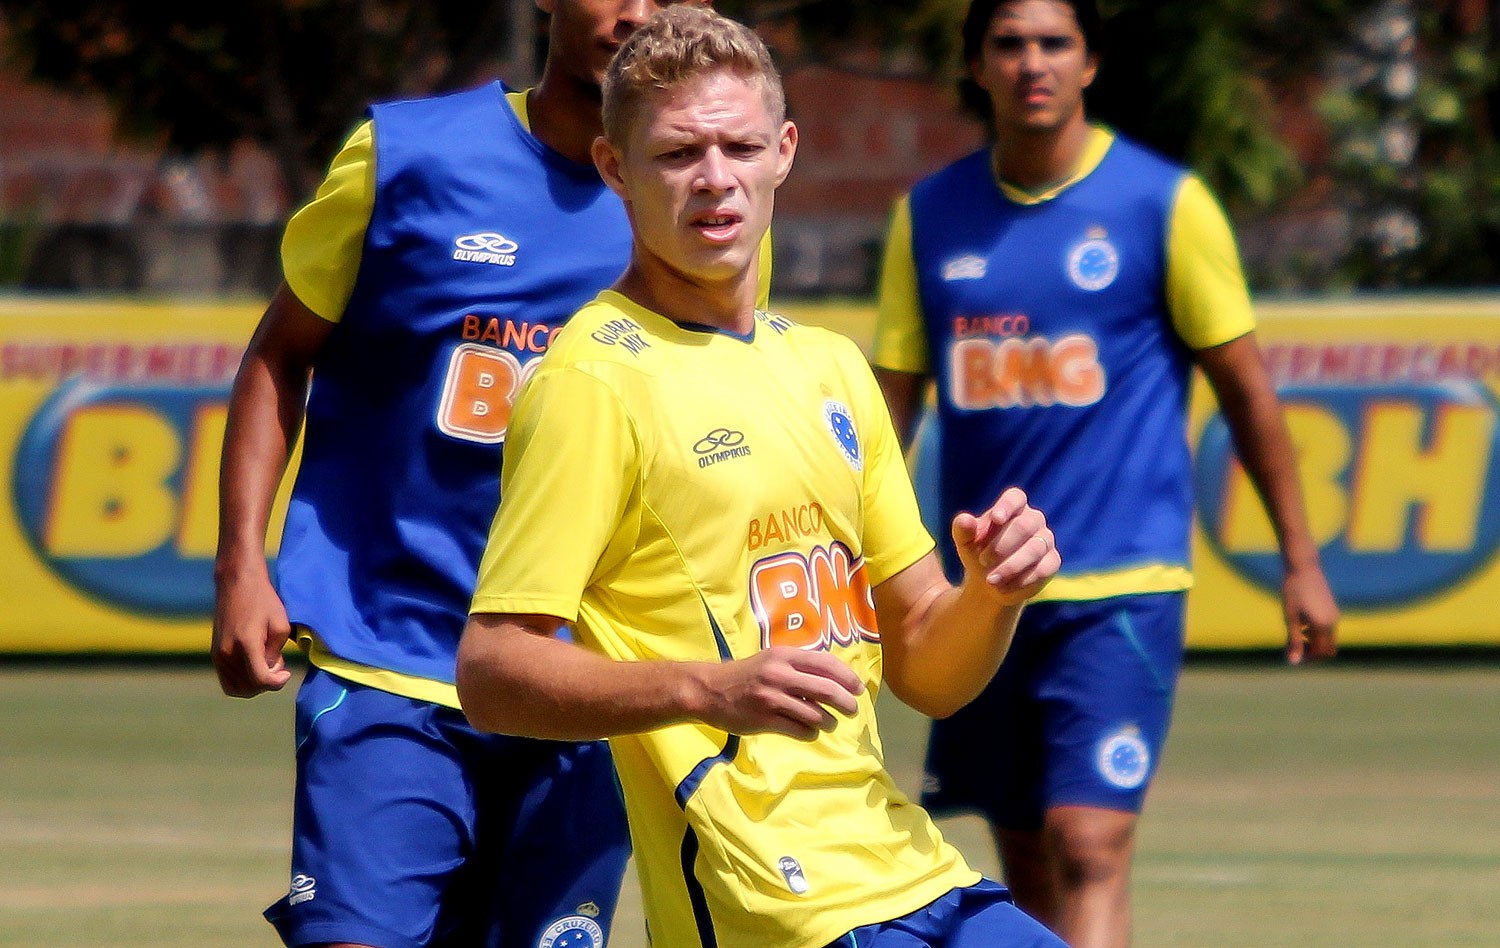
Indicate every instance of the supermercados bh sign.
{"type": "Point", "coordinates": [111, 418]}
{"type": "Point", "coordinates": [1394, 412]}
{"type": "Point", "coordinates": [111, 421]}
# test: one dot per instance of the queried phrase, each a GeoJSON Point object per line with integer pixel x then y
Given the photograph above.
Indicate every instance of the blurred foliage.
{"type": "Point", "coordinates": [1413, 112]}
{"type": "Point", "coordinates": [291, 75]}
{"type": "Point", "coordinates": [1192, 78]}
{"type": "Point", "coordinates": [1413, 167]}
{"type": "Point", "coordinates": [1406, 161]}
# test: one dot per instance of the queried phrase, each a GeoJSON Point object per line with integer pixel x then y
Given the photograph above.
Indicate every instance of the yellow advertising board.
{"type": "Point", "coordinates": [112, 414]}
{"type": "Point", "coordinates": [1393, 408]}
{"type": "Point", "coordinates": [111, 419]}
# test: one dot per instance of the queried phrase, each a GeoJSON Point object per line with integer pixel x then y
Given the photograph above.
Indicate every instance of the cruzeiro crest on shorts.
{"type": "Point", "coordinates": [1123, 758]}
{"type": "Point", "coordinates": [573, 931]}
{"type": "Point", "coordinates": [1093, 263]}
{"type": "Point", "coordinates": [841, 423]}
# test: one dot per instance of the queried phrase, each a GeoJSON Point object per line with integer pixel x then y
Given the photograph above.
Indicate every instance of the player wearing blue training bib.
{"type": "Point", "coordinates": [1059, 287]}
{"type": "Point", "coordinates": [451, 239]}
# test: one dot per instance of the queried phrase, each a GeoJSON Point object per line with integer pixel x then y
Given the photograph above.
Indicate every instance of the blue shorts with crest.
{"type": "Point", "coordinates": [413, 830]}
{"type": "Point", "coordinates": [1077, 714]}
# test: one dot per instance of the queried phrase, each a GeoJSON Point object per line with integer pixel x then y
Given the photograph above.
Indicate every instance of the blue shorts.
{"type": "Point", "coordinates": [411, 829]}
{"type": "Point", "coordinates": [980, 916]}
{"type": "Point", "coordinates": [1077, 714]}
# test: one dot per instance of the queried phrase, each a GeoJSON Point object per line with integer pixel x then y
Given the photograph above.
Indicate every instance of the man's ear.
{"type": "Point", "coordinates": [607, 161]}
{"type": "Point", "coordinates": [786, 151]}
{"type": "Point", "coordinates": [546, 6]}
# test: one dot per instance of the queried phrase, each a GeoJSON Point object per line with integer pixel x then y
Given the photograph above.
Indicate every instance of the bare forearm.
{"type": "Point", "coordinates": [1265, 450]}
{"type": "Point", "coordinates": [266, 407]}
{"type": "Point", "coordinates": [903, 398]}
{"type": "Point", "coordinates": [1238, 374]}
{"type": "Point", "coordinates": [1258, 426]}
{"type": "Point", "coordinates": [515, 678]}
{"type": "Point", "coordinates": [945, 643]}
{"type": "Point", "coordinates": [950, 650]}
{"type": "Point", "coordinates": [518, 680]}
{"type": "Point", "coordinates": [264, 416]}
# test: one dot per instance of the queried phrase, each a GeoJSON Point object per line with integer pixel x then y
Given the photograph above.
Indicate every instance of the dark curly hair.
{"type": "Point", "coordinates": [977, 25]}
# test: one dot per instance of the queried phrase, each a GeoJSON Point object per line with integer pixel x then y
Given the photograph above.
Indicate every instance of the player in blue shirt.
{"type": "Point", "coordinates": [1059, 287]}
{"type": "Point", "coordinates": [450, 240]}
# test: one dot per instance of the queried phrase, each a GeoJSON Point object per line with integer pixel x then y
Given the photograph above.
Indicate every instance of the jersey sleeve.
{"type": "Point", "coordinates": [894, 537]}
{"type": "Point", "coordinates": [900, 340]}
{"type": "Point", "coordinates": [321, 248]}
{"type": "Point", "coordinates": [1206, 292]}
{"type": "Point", "coordinates": [569, 497]}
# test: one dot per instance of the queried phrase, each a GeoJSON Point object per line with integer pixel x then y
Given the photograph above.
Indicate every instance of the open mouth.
{"type": "Point", "coordinates": [719, 227]}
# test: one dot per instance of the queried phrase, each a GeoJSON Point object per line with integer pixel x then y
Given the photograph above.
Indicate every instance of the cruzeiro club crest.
{"type": "Point", "coordinates": [1094, 262]}
{"type": "Point", "coordinates": [573, 931]}
{"type": "Point", "coordinates": [841, 423]}
{"type": "Point", "coordinates": [1123, 758]}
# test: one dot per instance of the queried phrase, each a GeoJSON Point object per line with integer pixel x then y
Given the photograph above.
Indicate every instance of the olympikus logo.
{"type": "Point", "coordinates": [304, 889]}
{"type": "Point", "coordinates": [488, 247]}
{"type": "Point", "coordinates": [967, 267]}
{"type": "Point", "coordinates": [721, 444]}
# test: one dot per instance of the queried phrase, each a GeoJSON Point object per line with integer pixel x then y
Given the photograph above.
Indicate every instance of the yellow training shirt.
{"type": "Point", "coordinates": [689, 495]}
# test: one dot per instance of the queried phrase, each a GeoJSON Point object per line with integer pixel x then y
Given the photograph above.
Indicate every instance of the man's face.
{"type": "Point", "coordinates": [698, 173]}
{"type": "Point", "coordinates": [1035, 65]}
{"type": "Point", "coordinates": [584, 34]}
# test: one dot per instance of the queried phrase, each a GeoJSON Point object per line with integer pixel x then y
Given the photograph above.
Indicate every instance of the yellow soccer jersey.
{"type": "Point", "coordinates": [694, 495]}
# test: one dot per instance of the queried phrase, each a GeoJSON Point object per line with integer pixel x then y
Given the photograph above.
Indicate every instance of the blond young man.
{"type": "Point", "coordinates": [715, 498]}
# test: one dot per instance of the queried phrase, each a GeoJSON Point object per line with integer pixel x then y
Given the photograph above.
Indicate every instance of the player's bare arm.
{"type": "Point", "coordinates": [903, 398]}
{"type": "Point", "coordinates": [516, 677]}
{"type": "Point", "coordinates": [266, 406]}
{"type": "Point", "coordinates": [943, 643]}
{"type": "Point", "coordinates": [1237, 372]}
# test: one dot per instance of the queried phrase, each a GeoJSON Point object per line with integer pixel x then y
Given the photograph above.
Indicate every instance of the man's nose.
{"type": "Point", "coordinates": [1032, 59]}
{"type": "Point", "coordinates": [634, 13]}
{"type": "Point", "coordinates": [714, 172]}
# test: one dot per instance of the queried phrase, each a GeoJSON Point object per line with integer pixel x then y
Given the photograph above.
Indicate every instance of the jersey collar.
{"type": "Point", "coordinates": [520, 104]}
{"type": "Point", "coordinates": [622, 302]}
{"type": "Point", "coordinates": [1100, 138]}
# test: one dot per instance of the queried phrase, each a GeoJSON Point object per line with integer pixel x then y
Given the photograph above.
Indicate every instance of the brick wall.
{"type": "Point", "coordinates": [67, 184]}
{"type": "Point", "coordinates": [864, 140]}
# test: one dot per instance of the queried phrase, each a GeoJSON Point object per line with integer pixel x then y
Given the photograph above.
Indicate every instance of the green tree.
{"type": "Point", "coordinates": [1413, 114]}
{"type": "Point", "coordinates": [290, 75]}
{"type": "Point", "coordinates": [1409, 91]}
{"type": "Point", "coordinates": [1417, 170]}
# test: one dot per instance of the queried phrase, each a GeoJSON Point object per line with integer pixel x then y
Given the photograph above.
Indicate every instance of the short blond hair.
{"type": "Point", "coordinates": [683, 42]}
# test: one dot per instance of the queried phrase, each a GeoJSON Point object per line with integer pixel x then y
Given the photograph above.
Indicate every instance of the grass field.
{"type": "Point", "coordinates": [1352, 805]}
